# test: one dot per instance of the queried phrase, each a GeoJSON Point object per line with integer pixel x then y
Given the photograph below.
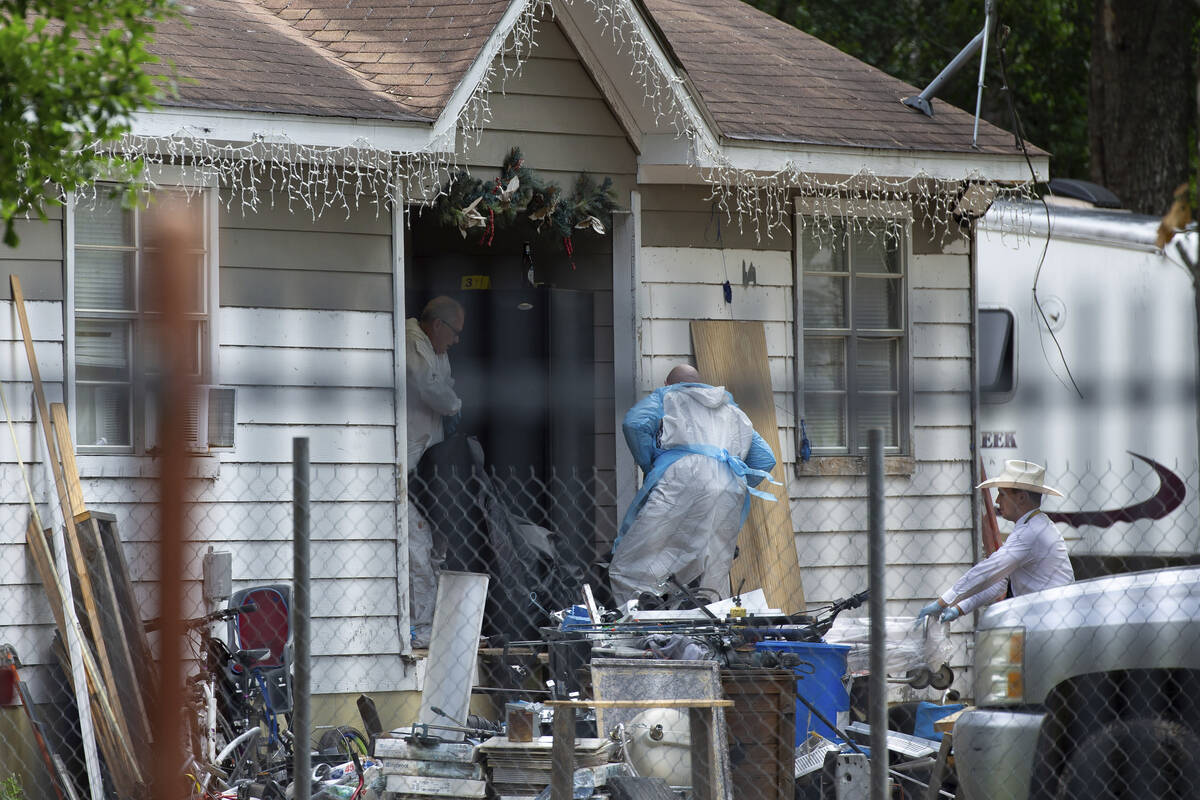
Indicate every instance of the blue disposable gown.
{"type": "Point", "coordinates": [701, 455]}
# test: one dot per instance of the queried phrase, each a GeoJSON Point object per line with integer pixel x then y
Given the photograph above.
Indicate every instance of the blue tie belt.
{"type": "Point", "coordinates": [670, 456]}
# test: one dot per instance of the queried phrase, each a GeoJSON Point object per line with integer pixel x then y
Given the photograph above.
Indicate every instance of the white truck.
{"type": "Point", "coordinates": [1094, 375]}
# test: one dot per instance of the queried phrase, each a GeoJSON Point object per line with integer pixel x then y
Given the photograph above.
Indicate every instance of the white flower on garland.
{"type": "Point", "coordinates": [471, 218]}
{"type": "Point", "coordinates": [591, 222]}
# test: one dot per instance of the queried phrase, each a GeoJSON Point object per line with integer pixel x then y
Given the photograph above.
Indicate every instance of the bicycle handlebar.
{"type": "Point", "coordinates": [199, 622]}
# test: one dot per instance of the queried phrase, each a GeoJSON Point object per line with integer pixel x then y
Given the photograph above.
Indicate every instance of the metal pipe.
{"type": "Point", "coordinates": [170, 261]}
{"type": "Point", "coordinates": [989, 9]}
{"type": "Point", "coordinates": [877, 555]}
{"type": "Point", "coordinates": [921, 101]}
{"type": "Point", "coordinates": [301, 619]}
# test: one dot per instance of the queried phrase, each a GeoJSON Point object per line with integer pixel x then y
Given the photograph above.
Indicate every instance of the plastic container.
{"type": "Point", "coordinates": [577, 617]}
{"type": "Point", "coordinates": [820, 685]}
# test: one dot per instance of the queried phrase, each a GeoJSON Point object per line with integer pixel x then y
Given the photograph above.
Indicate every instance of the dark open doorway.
{"type": "Point", "coordinates": [533, 368]}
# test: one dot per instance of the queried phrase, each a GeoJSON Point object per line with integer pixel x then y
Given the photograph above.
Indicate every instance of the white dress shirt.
{"type": "Point", "coordinates": [430, 392]}
{"type": "Point", "coordinates": [1033, 558]}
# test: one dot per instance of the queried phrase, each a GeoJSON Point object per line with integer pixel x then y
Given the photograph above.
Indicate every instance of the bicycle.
{"type": "Point", "coordinates": [222, 733]}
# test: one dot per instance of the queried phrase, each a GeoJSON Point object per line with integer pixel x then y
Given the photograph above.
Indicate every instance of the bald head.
{"type": "Point", "coordinates": [683, 373]}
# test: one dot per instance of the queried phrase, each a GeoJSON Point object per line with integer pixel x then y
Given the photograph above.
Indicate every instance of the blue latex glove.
{"type": "Point", "coordinates": [450, 424]}
{"type": "Point", "coordinates": [933, 608]}
{"type": "Point", "coordinates": [950, 614]}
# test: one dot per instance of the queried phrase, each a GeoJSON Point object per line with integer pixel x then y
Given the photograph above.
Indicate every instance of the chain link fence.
{"type": "Point", "coordinates": [490, 651]}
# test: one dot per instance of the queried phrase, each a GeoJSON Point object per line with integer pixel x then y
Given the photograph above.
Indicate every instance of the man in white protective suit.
{"type": "Point", "coordinates": [701, 456]}
{"type": "Point", "coordinates": [433, 407]}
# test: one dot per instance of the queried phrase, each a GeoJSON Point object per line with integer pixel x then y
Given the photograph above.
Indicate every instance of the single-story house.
{"type": "Point", "coordinates": [312, 135]}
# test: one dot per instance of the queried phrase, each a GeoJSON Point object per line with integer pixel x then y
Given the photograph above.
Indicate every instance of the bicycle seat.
{"type": "Point", "coordinates": [248, 658]}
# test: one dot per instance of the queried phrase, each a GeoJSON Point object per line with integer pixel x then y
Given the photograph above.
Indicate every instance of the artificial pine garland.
{"type": "Point", "coordinates": [467, 202]}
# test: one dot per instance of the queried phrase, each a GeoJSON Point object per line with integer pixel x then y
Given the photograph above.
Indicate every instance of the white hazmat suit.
{"type": "Point", "coordinates": [431, 398]}
{"type": "Point", "coordinates": [701, 455]}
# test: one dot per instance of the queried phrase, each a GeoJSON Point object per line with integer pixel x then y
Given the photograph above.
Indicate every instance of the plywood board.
{"type": "Point", "coordinates": [734, 355]}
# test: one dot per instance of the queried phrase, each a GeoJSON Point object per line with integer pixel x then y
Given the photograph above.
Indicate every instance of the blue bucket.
{"type": "Point", "coordinates": [822, 686]}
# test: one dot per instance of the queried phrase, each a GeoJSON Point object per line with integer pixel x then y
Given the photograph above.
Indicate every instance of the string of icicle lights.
{"type": "Point", "coordinates": [320, 180]}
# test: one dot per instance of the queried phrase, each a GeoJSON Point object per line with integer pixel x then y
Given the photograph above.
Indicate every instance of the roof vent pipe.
{"type": "Point", "coordinates": [921, 101]}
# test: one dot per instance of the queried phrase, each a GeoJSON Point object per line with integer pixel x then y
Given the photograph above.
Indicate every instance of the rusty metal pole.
{"type": "Point", "coordinates": [170, 268]}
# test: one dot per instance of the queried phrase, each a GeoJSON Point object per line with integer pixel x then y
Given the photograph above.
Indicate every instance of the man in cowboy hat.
{"type": "Point", "coordinates": [1034, 557]}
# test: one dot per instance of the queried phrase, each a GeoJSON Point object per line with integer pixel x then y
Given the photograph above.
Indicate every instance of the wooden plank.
{"type": "Point", "coordinates": [66, 450]}
{"type": "Point", "coordinates": [734, 355]}
{"type": "Point", "coordinates": [87, 597]}
{"type": "Point", "coordinates": [562, 757]}
{"type": "Point", "coordinates": [946, 724]}
{"type": "Point", "coordinates": [131, 618]}
{"type": "Point", "coordinates": [939, 768]}
{"type": "Point", "coordinates": [117, 754]}
{"type": "Point", "coordinates": [647, 703]}
{"type": "Point", "coordinates": [705, 777]}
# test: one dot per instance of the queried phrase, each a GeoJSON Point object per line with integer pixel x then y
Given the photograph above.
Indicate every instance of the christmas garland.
{"type": "Point", "coordinates": [466, 202]}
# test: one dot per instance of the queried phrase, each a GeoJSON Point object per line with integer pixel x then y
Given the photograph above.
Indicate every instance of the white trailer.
{"type": "Point", "coordinates": [1094, 376]}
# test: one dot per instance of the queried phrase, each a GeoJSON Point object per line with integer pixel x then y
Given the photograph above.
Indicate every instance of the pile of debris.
{"type": "Point", "coordinates": [91, 596]}
{"type": "Point", "coordinates": [521, 770]}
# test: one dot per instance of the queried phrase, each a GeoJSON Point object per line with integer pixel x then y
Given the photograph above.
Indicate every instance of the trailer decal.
{"type": "Point", "coordinates": [1170, 494]}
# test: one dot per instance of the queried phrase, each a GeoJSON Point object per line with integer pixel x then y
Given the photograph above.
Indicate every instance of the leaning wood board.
{"type": "Point", "coordinates": [734, 355]}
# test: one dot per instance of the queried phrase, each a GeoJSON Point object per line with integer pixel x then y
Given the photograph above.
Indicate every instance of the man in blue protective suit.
{"type": "Point", "coordinates": [701, 456]}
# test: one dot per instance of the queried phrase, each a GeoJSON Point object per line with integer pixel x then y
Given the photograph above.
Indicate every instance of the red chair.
{"type": "Point", "coordinates": [267, 627]}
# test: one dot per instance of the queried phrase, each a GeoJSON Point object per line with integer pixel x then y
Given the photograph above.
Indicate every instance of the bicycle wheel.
{"type": "Point", "coordinates": [343, 739]}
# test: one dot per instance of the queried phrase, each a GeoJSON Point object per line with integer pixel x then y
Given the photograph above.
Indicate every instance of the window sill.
{"type": "Point", "coordinates": [853, 465]}
{"type": "Point", "coordinates": [201, 465]}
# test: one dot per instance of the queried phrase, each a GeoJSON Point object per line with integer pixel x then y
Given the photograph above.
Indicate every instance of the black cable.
{"type": "Point", "coordinates": [1019, 132]}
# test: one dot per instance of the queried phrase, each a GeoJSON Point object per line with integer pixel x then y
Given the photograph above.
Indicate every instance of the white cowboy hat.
{"type": "Point", "coordinates": [1021, 475]}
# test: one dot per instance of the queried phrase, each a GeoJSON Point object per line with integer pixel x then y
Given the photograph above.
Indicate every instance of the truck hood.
{"type": "Point", "coordinates": [1144, 620]}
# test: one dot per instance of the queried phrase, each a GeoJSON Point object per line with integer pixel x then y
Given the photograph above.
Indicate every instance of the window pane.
{"type": "Point", "coordinates": [995, 351]}
{"type": "Point", "coordinates": [878, 248]}
{"type": "Point", "coordinates": [878, 411]}
{"type": "Point", "coordinates": [824, 364]}
{"type": "Point", "coordinates": [152, 352]}
{"type": "Point", "coordinates": [876, 303]}
{"type": "Point", "coordinates": [878, 365]}
{"type": "Point", "coordinates": [824, 250]}
{"type": "Point", "coordinates": [103, 415]}
{"type": "Point", "coordinates": [104, 279]}
{"type": "Point", "coordinates": [824, 302]}
{"type": "Point", "coordinates": [825, 419]}
{"type": "Point", "coordinates": [101, 351]}
{"type": "Point", "coordinates": [103, 222]}
{"type": "Point", "coordinates": [194, 282]}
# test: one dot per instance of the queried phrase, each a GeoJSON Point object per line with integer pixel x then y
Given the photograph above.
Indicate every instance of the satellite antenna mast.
{"type": "Point", "coordinates": [921, 102]}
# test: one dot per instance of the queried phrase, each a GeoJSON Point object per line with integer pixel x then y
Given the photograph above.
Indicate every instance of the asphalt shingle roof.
{"type": "Point", "coordinates": [759, 78]}
{"type": "Point", "coordinates": [763, 79]}
{"type": "Point", "coordinates": [416, 50]}
{"type": "Point", "coordinates": [232, 54]}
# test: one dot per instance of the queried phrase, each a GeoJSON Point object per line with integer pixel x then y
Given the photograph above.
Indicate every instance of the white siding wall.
{"type": "Point", "coordinates": [320, 369]}
{"type": "Point", "coordinates": [928, 510]}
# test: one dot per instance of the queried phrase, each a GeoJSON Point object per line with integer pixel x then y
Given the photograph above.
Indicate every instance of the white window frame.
{"type": "Point", "coordinates": [848, 209]}
{"type": "Point", "coordinates": [203, 189]}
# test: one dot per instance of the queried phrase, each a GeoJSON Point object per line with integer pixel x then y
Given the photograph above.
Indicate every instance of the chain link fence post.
{"type": "Point", "coordinates": [301, 614]}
